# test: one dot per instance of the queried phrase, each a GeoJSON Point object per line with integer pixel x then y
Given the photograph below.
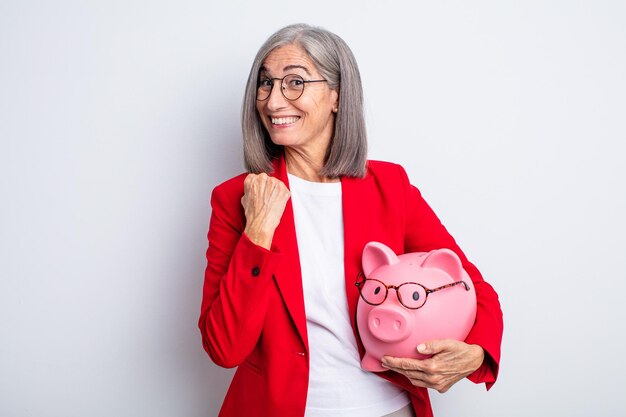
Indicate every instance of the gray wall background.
{"type": "Point", "coordinates": [117, 118]}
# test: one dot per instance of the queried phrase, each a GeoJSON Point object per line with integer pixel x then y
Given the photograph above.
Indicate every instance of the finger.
{"type": "Point", "coordinates": [417, 378]}
{"type": "Point", "coordinates": [432, 347]}
{"type": "Point", "coordinates": [424, 349]}
{"type": "Point", "coordinates": [429, 366]}
{"type": "Point", "coordinates": [247, 182]}
{"type": "Point", "coordinates": [285, 193]}
{"type": "Point", "coordinates": [425, 369]}
{"type": "Point", "coordinates": [279, 191]}
{"type": "Point", "coordinates": [272, 193]}
{"type": "Point", "coordinates": [405, 364]}
{"type": "Point", "coordinates": [273, 189]}
{"type": "Point", "coordinates": [439, 382]}
{"type": "Point", "coordinates": [419, 382]}
{"type": "Point", "coordinates": [261, 186]}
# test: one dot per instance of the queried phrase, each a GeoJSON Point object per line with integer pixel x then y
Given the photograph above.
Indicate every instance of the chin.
{"type": "Point", "coordinates": [282, 140]}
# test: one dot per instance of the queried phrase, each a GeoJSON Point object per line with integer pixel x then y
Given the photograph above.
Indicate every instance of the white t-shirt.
{"type": "Point", "coordinates": [338, 387]}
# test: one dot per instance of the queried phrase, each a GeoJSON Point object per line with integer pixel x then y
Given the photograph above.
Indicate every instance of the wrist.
{"type": "Point", "coordinates": [479, 355]}
{"type": "Point", "coordinates": [259, 238]}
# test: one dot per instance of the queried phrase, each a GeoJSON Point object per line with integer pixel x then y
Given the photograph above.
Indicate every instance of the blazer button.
{"type": "Point", "coordinates": [256, 271]}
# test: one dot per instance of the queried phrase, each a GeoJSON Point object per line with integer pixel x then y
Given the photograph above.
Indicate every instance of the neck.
{"type": "Point", "coordinates": [306, 165]}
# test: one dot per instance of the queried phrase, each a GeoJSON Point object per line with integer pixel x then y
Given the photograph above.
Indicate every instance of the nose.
{"type": "Point", "coordinates": [276, 100]}
{"type": "Point", "coordinates": [389, 323]}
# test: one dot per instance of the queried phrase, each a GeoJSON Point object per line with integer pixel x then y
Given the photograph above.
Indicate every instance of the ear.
{"type": "Point", "coordinates": [447, 261]}
{"type": "Point", "coordinates": [375, 255]}
{"type": "Point", "coordinates": [335, 99]}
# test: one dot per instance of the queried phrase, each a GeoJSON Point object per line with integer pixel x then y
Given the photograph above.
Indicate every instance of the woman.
{"type": "Point", "coordinates": [285, 244]}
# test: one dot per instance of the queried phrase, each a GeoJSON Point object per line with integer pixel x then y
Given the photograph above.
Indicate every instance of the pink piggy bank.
{"type": "Point", "coordinates": [410, 299]}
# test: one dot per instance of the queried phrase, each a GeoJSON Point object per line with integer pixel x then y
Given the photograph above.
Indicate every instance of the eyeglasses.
{"type": "Point", "coordinates": [291, 85]}
{"type": "Point", "coordinates": [410, 294]}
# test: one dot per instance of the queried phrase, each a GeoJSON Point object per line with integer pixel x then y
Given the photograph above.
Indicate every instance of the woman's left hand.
{"type": "Point", "coordinates": [450, 362]}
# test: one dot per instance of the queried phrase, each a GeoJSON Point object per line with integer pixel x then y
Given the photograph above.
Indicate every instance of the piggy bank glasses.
{"type": "Point", "coordinates": [410, 294]}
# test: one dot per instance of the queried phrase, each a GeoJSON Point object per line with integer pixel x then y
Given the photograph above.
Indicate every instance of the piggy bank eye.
{"type": "Point", "coordinates": [373, 291]}
{"type": "Point", "coordinates": [412, 295]}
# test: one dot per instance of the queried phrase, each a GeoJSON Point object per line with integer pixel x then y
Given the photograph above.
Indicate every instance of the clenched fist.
{"type": "Point", "coordinates": [264, 201]}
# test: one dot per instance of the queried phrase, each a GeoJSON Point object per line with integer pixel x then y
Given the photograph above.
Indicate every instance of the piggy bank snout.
{"type": "Point", "coordinates": [389, 323]}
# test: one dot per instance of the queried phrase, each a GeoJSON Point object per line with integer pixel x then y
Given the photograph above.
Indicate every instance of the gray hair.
{"type": "Point", "coordinates": [347, 152]}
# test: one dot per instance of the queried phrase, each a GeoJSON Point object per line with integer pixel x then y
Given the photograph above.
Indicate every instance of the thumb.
{"type": "Point", "coordinates": [432, 347]}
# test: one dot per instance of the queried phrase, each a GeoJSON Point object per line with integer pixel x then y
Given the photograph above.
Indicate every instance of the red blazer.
{"type": "Point", "coordinates": [252, 313]}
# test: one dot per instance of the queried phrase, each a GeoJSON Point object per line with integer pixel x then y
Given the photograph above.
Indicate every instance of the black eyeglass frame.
{"type": "Point", "coordinates": [360, 283]}
{"type": "Point", "coordinates": [283, 87]}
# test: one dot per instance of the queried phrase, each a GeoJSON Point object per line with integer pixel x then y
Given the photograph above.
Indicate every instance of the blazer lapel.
{"type": "Point", "coordinates": [288, 276]}
{"type": "Point", "coordinates": [357, 224]}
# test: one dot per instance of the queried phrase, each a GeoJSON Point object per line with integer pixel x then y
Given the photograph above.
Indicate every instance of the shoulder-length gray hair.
{"type": "Point", "coordinates": [347, 152]}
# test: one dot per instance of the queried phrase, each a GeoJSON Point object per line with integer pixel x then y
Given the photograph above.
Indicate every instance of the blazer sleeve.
{"type": "Point", "coordinates": [425, 232]}
{"type": "Point", "coordinates": [237, 279]}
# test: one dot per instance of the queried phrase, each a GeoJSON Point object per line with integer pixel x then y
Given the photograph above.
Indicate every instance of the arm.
{"type": "Point", "coordinates": [238, 277]}
{"type": "Point", "coordinates": [424, 232]}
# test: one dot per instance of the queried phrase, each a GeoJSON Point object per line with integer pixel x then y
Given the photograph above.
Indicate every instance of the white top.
{"type": "Point", "coordinates": [338, 387]}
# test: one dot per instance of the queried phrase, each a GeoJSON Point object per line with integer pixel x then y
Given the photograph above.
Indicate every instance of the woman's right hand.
{"type": "Point", "coordinates": [264, 201]}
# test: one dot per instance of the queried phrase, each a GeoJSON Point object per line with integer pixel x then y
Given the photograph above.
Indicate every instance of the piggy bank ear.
{"type": "Point", "coordinates": [447, 261]}
{"type": "Point", "coordinates": [375, 255]}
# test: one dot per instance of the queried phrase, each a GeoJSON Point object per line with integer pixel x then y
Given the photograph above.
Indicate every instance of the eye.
{"type": "Point", "coordinates": [296, 82]}
{"type": "Point", "coordinates": [377, 290]}
{"type": "Point", "coordinates": [265, 82]}
{"type": "Point", "coordinates": [415, 296]}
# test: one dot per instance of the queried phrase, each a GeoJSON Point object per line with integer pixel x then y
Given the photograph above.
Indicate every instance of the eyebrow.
{"type": "Point", "coordinates": [287, 68]}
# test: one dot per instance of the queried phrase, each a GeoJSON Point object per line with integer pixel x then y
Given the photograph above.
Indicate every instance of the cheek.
{"type": "Point", "coordinates": [259, 113]}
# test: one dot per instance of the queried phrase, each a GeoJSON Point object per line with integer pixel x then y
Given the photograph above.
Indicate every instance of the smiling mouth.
{"type": "Point", "coordinates": [284, 120]}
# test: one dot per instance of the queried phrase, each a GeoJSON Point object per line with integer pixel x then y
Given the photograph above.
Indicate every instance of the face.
{"type": "Point", "coordinates": [306, 123]}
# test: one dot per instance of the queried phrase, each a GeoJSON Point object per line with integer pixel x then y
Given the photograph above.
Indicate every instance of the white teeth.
{"type": "Point", "coordinates": [284, 120]}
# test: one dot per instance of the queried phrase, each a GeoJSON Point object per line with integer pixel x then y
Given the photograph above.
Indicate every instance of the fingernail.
{"type": "Point", "coordinates": [421, 347]}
